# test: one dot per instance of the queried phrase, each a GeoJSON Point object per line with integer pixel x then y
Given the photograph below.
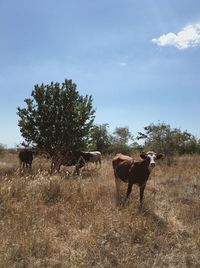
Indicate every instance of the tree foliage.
{"type": "Point", "coordinates": [120, 141]}
{"type": "Point", "coordinates": [117, 142]}
{"type": "Point", "coordinates": [100, 138]}
{"type": "Point", "coordinates": [122, 135]}
{"type": "Point", "coordinates": [170, 141]}
{"type": "Point", "coordinates": [2, 147]}
{"type": "Point", "coordinates": [56, 115]}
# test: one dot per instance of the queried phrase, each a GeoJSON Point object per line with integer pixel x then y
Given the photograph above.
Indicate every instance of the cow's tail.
{"type": "Point", "coordinates": [114, 164]}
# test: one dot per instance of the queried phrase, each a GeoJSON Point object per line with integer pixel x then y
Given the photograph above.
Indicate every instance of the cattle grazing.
{"type": "Point", "coordinates": [67, 158]}
{"type": "Point", "coordinates": [25, 158]}
{"type": "Point", "coordinates": [74, 158]}
{"type": "Point", "coordinates": [93, 157]}
{"type": "Point", "coordinates": [132, 171]}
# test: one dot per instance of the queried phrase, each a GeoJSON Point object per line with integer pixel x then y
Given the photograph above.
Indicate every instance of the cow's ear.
{"type": "Point", "coordinates": [158, 156]}
{"type": "Point", "coordinates": [143, 155]}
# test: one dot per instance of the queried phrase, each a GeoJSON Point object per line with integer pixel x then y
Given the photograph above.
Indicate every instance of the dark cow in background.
{"type": "Point", "coordinates": [74, 158]}
{"type": "Point", "coordinates": [93, 157]}
{"type": "Point", "coordinates": [68, 158]}
{"type": "Point", "coordinates": [132, 171]}
{"type": "Point", "coordinates": [26, 158]}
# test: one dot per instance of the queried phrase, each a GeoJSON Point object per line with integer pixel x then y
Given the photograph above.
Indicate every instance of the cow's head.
{"type": "Point", "coordinates": [152, 157]}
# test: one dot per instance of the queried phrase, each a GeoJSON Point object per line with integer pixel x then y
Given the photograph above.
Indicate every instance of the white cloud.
{"type": "Point", "coordinates": [189, 36]}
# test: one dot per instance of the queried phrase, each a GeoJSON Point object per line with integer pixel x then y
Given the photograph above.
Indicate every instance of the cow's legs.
{"type": "Point", "coordinates": [117, 184]}
{"type": "Point", "coordinates": [29, 165]}
{"type": "Point", "coordinates": [20, 164]}
{"type": "Point", "coordinates": [129, 189]}
{"type": "Point", "coordinates": [118, 192]}
{"type": "Point", "coordinates": [77, 170]}
{"type": "Point", "coordinates": [142, 187]}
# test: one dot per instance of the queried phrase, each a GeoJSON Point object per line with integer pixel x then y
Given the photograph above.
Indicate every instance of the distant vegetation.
{"type": "Point", "coordinates": [57, 116]}
{"type": "Point", "coordinates": [170, 141]}
{"type": "Point", "coordinates": [2, 148]}
{"type": "Point", "coordinates": [158, 137]}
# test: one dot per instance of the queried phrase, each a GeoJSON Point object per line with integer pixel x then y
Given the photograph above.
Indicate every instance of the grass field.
{"type": "Point", "coordinates": [65, 221]}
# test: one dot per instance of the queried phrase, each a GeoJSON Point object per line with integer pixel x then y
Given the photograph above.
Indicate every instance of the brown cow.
{"type": "Point", "coordinates": [132, 171]}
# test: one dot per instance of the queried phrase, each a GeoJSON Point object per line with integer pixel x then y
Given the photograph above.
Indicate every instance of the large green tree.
{"type": "Point", "coordinates": [55, 116]}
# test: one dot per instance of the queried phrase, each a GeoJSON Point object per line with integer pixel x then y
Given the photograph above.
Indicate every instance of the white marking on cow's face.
{"type": "Point", "coordinates": [152, 163]}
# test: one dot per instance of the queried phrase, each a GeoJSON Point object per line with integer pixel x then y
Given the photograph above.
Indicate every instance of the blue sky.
{"type": "Point", "coordinates": [140, 60]}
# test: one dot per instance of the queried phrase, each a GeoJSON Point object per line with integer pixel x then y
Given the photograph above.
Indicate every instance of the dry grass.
{"type": "Point", "coordinates": [64, 221]}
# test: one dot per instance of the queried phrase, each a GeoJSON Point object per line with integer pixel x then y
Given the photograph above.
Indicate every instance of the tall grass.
{"type": "Point", "coordinates": [69, 221]}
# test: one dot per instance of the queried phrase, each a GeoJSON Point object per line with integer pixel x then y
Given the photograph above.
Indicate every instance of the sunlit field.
{"type": "Point", "coordinates": [62, 220]}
